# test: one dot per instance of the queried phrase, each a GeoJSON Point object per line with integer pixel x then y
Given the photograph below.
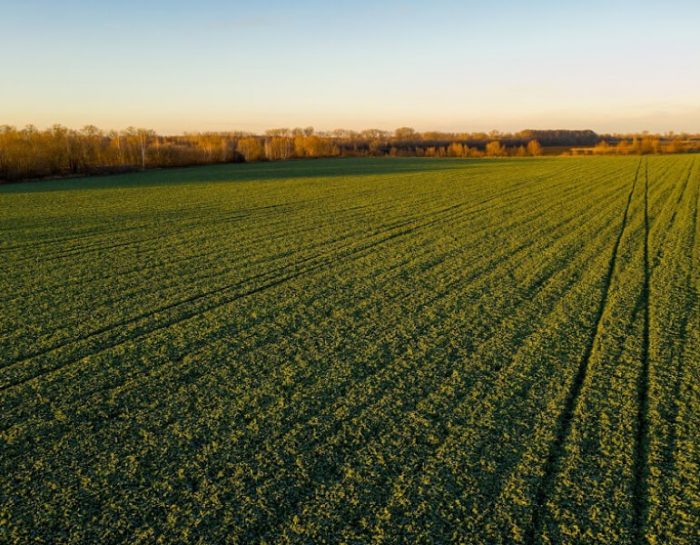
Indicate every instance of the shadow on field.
{"type": "Point", "coordinates": [242, 172]}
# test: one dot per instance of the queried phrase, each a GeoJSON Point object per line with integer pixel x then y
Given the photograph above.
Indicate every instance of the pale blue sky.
{"type": "Point", "coordinates": [216, 65]}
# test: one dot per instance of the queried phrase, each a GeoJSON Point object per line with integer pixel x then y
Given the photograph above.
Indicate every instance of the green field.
{"type": "Point", "coordinates": [371, 351]}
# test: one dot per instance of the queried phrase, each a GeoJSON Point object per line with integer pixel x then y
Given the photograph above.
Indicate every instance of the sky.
{"type": "Point", "coordinates": [610, 66]}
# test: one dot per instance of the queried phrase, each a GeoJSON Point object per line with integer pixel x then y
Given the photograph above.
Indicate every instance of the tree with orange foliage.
{"type": "Point", "coordinates": [534, 148]}
{"type": "Point", "coordinates": [250, 148]}
{"type": "Point", "coordinates": [495, 149]}
{"type": "Point", "coordinates": [278, 148]}
{"type": "Point", "coordinates": [455, 149]}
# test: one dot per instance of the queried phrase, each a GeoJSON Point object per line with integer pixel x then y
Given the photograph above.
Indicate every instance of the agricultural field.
{"type": "Point", "coordinates": [369, 351]}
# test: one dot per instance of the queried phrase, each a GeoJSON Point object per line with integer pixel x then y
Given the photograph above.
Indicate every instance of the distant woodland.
{"type": "Point", "coordinates": [31, 153]}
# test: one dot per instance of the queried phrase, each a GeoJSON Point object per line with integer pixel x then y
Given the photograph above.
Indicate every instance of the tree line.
{"type": "Point", "coordinates": [29, 153]}
{"type": "Point", "coordinates": [639, 145]}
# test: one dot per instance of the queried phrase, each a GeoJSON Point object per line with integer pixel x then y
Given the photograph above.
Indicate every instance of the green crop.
{"type": "Point", "coordinates": [354, 351]}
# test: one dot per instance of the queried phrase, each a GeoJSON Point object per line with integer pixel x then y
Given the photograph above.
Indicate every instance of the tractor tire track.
{"type": "Point", "coordinates": [642, 439]}
{"type": "Point", "coordinates": [565, 419]}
